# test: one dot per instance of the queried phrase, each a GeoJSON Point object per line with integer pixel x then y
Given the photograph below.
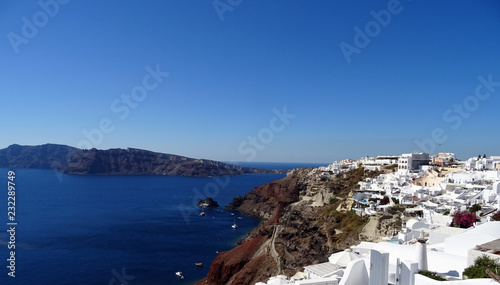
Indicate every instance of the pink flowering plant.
{"type": "Point", "coordinates": [464, 219]}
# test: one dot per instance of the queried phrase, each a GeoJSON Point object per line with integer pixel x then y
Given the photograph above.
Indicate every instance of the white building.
{"type": "Point", "coordinates": [476, 163]}
{"type": "Point", "coordinates": [412, 162]}
{"type": "Point", "coordinates": [377, 163]}
{"type": "Point", "coordinates": [443, 158]}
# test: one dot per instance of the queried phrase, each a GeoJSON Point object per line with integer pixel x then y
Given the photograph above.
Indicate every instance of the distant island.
{"type": "Point", "coordinates": [130, 161]}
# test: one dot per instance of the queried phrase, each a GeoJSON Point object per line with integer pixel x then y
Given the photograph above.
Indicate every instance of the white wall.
{"type": "Point", "coordinates": [356, 273]}
{"type": "Point", "coordinates": [473, 254]}
{"type": "Point", "coordinates": [422, 280]}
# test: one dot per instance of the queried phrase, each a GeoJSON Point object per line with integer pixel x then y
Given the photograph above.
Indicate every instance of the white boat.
{"type": "Point", "coordinates": [234, 226]}
{"type": "Point", "coordinates": [179, 274]}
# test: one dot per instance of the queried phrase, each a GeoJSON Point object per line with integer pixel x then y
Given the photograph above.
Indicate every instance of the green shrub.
{"type": "Point", "coordinates": [432, 275]}
{"type": "Point", "coordinates": [333, 200]}
{"type": "Point", "coordinates": [478, 270]}
{"type": "Point", "coordinates": [474, 208]}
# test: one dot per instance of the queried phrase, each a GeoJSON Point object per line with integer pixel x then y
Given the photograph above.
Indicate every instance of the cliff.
{"type": "Point", "coordinates": [129, 161]}
{"type": "Point", "coordinates": [47, 156]}
{"type": "Point", "coordinates": [306, 220]}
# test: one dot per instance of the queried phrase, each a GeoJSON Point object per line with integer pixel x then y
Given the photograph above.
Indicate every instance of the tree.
{"type": "Point", "coordinates": [464, 219]}
{"type": "Point", "coordinates": [481, 264]}
{"type": "Point", "coordinates": [475, 208]}
{"type": "Point", "coordinates": [484, 155]}
{"type": "Point", "coordinates": [479, 157]}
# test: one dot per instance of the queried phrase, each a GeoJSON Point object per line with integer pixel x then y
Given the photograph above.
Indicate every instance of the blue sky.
{"type": "Point", "coordinates": [229, 69]}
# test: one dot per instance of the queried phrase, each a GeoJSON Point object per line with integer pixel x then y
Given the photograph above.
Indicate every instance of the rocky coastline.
{"type": "Point", "coordinates": [305, 219]}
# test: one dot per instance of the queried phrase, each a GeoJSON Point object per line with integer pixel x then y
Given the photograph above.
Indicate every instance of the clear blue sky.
{"type": "Point", "coordinates": [227, 71]}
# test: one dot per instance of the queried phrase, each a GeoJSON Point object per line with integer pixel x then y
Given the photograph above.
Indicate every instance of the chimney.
{"type": "Point", "coordinates": [422, 252]}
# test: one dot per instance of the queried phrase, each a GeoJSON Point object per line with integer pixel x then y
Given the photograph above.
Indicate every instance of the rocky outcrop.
{"type": "Point", "coordinates": [208, 203]}
{"type": "Point", "coordinates": [129, 161]}
{"type": "Point", "coordinates": [382, 225]}
{"type": "Point", "coordinates": [301, 227]}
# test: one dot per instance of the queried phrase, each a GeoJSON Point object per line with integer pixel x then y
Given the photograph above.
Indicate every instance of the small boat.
{"type": "Point", "coordinates": [232, 214]}
{"type": "Point", "coordinates": [234, 226]}
{"type": "Point", "coordinates": [199, 264]}
{"type": "Point", "coordinates": [202, 214]}
{"type": "Point", "coordinates": [179, 274]}
{"type": "Point", "coordinates": [240, 218]}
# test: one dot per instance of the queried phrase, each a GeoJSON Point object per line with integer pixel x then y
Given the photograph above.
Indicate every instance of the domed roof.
{"type": "Point", "coordinates": [416, 224]}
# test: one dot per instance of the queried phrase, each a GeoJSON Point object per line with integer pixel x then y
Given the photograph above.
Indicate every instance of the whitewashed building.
{"type": "Point", "coordinates": [412, 162]}
{"type": "Point", "coordinates": [476, 163]}
{"type": "Point", "coordinates": [443, 158]}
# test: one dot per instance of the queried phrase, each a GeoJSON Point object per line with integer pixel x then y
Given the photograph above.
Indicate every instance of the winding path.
{"type": "Point", "coordinates": [274, 253]}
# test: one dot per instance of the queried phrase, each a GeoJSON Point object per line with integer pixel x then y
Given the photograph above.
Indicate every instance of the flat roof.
{"type": "Point", "coordinates": [493, 245]}
{"type": "Point", "coordinates": [322, 269]}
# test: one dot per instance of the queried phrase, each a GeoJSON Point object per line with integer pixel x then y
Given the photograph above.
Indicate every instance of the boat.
{"type": "Point", "coordinates": [199, 264]}
{"type": "Point", "coordinates": [202, 214]}
{"type": "Point", "coordinates": [240, 218]}
{"type": "Point", "coordinates": [179, 274]}
{"type": "Point", "coordinates": [234, 226]}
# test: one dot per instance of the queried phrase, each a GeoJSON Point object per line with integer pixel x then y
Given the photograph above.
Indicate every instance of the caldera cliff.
{"type": "Point", "coordinates": [306, 219]}
{"type": "Point", "coordinates": [130, 161]}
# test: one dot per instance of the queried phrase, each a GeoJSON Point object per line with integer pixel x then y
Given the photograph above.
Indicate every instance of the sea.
{"type": "Point", "coordinates": [71, 229]}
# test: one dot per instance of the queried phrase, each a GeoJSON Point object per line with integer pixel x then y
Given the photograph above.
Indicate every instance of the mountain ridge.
{"type": "Point", "coordinates": [116, 161]}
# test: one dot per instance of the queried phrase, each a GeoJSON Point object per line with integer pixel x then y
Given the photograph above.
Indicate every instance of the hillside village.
{"type": "Point", "coordinates": [451, 218]}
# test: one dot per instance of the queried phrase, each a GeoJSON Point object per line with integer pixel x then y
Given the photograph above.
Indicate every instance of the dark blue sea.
{"type": "Point", "coordinates": [120, 229]}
